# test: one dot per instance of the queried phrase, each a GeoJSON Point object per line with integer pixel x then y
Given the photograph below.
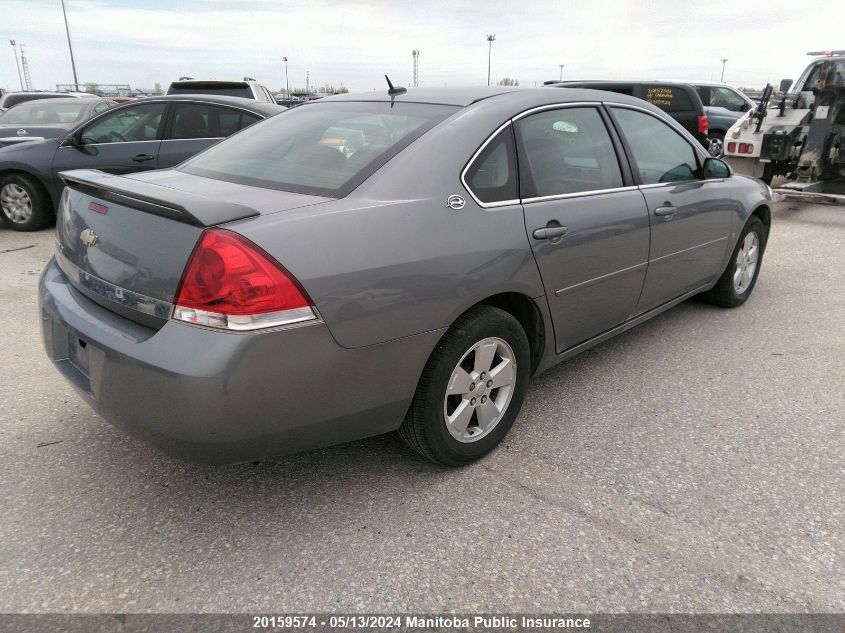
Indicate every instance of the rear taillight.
{"type": "Point", "coordinates": [230, 283]}
{"type": "Point", "coordinates": [703, 124]}
{"type": "Point", "coordinates": [731, 147]}
{"type": "Point", "coordinates": [744, 148]}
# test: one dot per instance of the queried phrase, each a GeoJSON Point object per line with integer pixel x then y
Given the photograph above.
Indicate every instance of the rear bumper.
{"type": "Point", "coordinates": [221, 397]}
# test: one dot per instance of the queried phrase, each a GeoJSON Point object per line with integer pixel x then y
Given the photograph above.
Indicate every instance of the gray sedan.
{"type": "Point", "coordinates": [402, 261]}
{"type": "Point", "coordinates": [136, 136]}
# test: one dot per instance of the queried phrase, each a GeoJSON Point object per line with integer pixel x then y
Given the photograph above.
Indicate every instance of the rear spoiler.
{"type": "Point", "coordinates": [175, 204]}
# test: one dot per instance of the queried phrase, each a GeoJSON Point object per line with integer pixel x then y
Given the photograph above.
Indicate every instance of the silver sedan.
{"type": "Point", "coordinates": [399, 261]}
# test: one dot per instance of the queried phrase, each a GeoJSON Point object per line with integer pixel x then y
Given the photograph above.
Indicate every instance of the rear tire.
{"type": "Point", "coordinates": [737, 282]}
{"type": "Point", "coordinates": [24, 204]}
{"type": "Point", "coordinates": [465, 404]}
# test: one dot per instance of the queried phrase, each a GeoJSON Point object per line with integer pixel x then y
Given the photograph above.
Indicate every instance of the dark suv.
{"type": "Point", "coordinates": [679, 101]}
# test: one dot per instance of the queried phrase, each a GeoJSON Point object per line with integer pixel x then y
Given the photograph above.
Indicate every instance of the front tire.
{"type": "Point", "coordinates": [471, 388]}
{"type": "Point", "coordinates": [737, 282]}
{"type": "Point", "coordinates": [24, 204]}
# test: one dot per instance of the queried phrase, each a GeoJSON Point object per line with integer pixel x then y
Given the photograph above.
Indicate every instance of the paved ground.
{"type": "Point", "coordinates": [692, 464]}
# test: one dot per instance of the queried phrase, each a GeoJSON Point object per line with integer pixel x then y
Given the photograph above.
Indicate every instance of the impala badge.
{"type": "Point", "coordinates": [455, 202]}
{"type": "Point", "coordinates": [21, 132]}
{"type": "Point", "coordinates": [88, 237]}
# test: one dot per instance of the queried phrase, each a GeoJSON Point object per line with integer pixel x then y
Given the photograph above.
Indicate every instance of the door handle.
{"type": "Point", "coordinates": [667, 211]}
{"type": "Point", "coordinates": [551, 231]}
{"type": "Point", "coordinates": [142, 158]}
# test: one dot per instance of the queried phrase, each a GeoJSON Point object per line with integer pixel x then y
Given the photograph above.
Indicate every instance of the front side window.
{"type": "Point", "coordinates": [660, 154]}
{"type": "Point", "coordinates": [726, 98]}
{"type": "Point", "coordinates": [136, 123]}
{"type": "Point", "coordinates": [322, 148]}
{"type": "Point", "coordinates": [492, 176]}
{"type": "Point", "coordinates": [566, 151]}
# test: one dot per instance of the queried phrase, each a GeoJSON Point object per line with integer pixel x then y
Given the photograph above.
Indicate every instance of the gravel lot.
{"type": "Point", "coordinates": [692, 464]}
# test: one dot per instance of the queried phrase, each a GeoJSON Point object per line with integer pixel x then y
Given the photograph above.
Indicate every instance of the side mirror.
{"type": "Point", "coordinates": [715, 168]}
{"type": "Point", "coordinates": [785, 85]}
{"type": "Point", "coordinates": [746, 107]}
{"type": "Point", "coordinates": [73, 140]}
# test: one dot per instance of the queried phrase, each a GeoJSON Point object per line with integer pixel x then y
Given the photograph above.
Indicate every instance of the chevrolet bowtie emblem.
{"type": "Point", "coordinates": [88, 237]}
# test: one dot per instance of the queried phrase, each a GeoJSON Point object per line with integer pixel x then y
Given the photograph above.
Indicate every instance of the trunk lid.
{"type": "Point", "coordinates": [124, 241]}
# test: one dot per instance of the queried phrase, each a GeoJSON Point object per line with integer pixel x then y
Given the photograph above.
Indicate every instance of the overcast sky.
{"type": "Point", "coordinates": [355, 43]}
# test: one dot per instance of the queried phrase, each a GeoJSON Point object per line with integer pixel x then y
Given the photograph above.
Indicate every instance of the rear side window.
{"type": "Point", "coordinates": [202, 120]}
{"type": "Point", "coordinates": [323, 148]}
{"type": "Point", "coordinates": [668, 98]}
{"type": "Point", "coordinates": [566, 151]}
{"type": "Point", "coordinates": [492, 176]}
{"type": "Point", "coordinates": [659, 153]}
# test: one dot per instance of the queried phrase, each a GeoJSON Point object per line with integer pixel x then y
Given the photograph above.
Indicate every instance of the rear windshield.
{"type": "Point", "coordinates": [244, 93]}
{"type": "Point", "coordinates": [324, 149]}
{"type": "Point", "coordinates": [42, 112]}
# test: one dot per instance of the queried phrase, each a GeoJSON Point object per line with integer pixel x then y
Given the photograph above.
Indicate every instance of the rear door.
{"type": "Point", "coordinates": [121, 141]}
{"type": "Point", "coordinates": [587, 225]}
{"type": "Point", "coordinates": [193, 126]}
{"type": "Point", "coordinates": [691, 218]}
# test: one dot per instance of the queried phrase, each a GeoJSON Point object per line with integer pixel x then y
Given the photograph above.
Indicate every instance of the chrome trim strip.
{"type": "Point", "coordinates": [579, 194]}
{"type": "Point", "coordinates": [674, 183]}
{"type": "Point", "coordinates": [557, 106]}
{"type": "Point", "coordinates": [687, 250]}
{"type": "Point", "coordinates": [484, 205]}
{"type": "Point", "coordinates": [10, 140]}
{"type": "Point", "coordinates": [112, 292]}
{"type": "Point", "coordinates": [589, 282]}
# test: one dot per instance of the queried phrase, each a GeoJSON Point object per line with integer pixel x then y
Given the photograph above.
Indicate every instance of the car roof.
{"type": "Point", "coordinates": [442, 96]}
{"type": "Point", "coordinates": [261, 107]}
{"type": "Point", "coordinates": [509, 99]}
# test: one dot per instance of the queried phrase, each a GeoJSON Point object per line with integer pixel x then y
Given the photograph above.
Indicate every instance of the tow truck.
{"type": "Point", "coordinates": [800, 135]}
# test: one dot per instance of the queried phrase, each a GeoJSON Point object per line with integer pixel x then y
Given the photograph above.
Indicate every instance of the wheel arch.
{"type": "Point", "coordinates": [764, 213]}
{"type": "Point", "coordinates": [525, 310]}
{"type": "Point", "coordinates": [11, 171]}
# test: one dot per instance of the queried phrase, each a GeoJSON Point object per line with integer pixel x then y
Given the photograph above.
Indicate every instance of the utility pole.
{"type": "Point", "coordinates": [416, 55]}
{"type": "Point", "coordinates": [490, 40]}
{"type": "Point", "coordinates": [70, 48]}
{"type": "Point", "coordinates": [724, 61]}
{"type": "Point", "coordinates": [308, 82]}
{"type": "Point", "coordinates": [561, 71]}
{"type": "Point", "coordinates": [17, 63]}
{"type": "Point", "coordinates": [287, 81]}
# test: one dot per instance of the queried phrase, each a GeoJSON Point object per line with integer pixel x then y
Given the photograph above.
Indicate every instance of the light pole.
{"type": "Point", "coordinates": [287, 81]}
{"type": "Point", "coordinates": [70, 48]}
{"type": "Point", "coordinates": [561, 71]}
{"type": "Point", "coordinates": [724, 61]}
{"type": "Point", "coordinates": [17, 64]}
{"type": "Point", "coordinates": [490, 40]}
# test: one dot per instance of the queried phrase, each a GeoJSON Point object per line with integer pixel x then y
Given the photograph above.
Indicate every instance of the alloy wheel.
{"type": "Point", "coordinates": [480, 389]}
{"type": "Point", "coordinates": [15, 203]}
{"type": "Point", "coordinates": [746, 262]}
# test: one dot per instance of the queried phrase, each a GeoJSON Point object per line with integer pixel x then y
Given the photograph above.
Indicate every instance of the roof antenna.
{"type": "Point", "coordinates": [393, 91]}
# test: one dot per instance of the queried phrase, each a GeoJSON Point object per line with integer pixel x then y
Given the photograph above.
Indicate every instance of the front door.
{"type": "Point", "coordinates": [121, 141]}
{"type": "Point", "coordinates": [691, 218]}
{"type": "Point", "coordinates": [588, 228]}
